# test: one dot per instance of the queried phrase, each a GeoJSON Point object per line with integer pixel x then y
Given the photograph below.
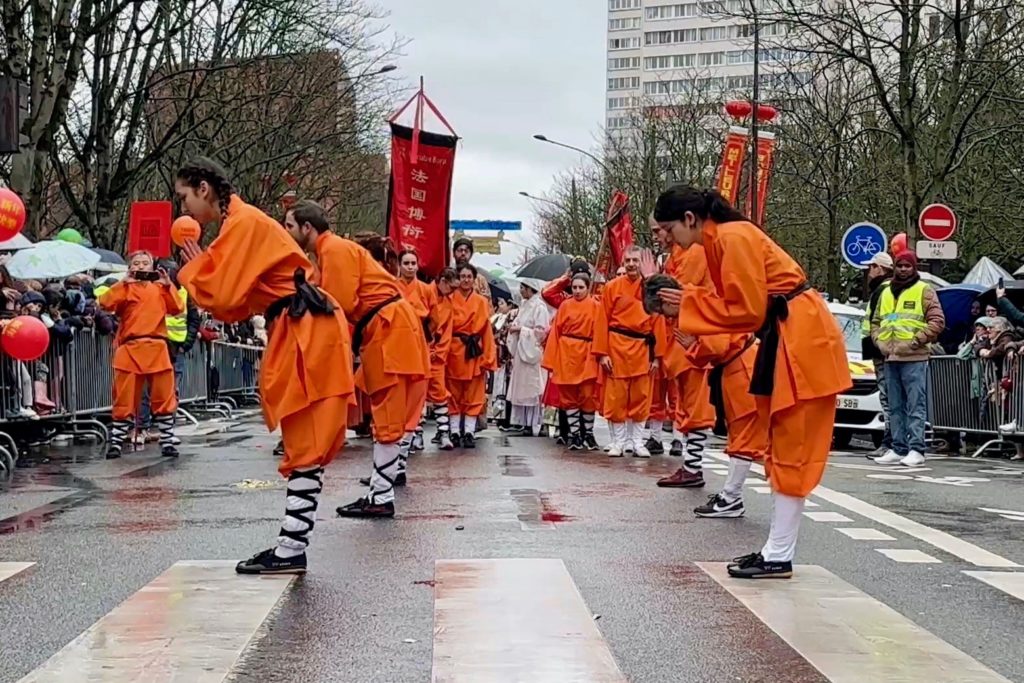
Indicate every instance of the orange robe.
{"type": "Point", "coordinates": [393, 360]}
{"type": "Point", "coordinates": [440, 346]}
{"type": "Point", "coordinates": [142, 354]}
{"type": "Point", "coordinates": [466, 377]}
{"type": "Point", "coordinates": [693, 409]}
{"type": "Point", "coordinates": [748, 426]}
{"type": "Point", "coordinates": [811, 368]}
{"type": "Point", "coordinates": [568, 354]}
{"type": "Point", "coordinates": [627, 388]}
{"type": "Point", "coordinates": [421, 295]}
{"type": "Point", "coordinates": [306, 378]}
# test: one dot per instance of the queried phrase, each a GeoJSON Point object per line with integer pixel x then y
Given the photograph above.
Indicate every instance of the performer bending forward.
{"type": "Point", "coordinates": [801, 362]}
{"type": "Point", "coordinates": [306, 383]}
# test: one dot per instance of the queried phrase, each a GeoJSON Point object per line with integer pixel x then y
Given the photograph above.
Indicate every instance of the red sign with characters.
{"type": "Point", "coordinates": [731, 170]}
{"type": "Point", "coordinates": [420, 194]}
{"type": "Point", "coordinates": [937, 222]}
{"type": "Point", "coordinates": [765, 152]}
{"type": "Point", "coordinates": [149, 228]}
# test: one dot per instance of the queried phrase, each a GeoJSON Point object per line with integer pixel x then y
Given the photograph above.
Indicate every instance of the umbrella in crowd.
{"type": "Point", "coordinates": [51, 260]}
{"type": "Point", "coordinates": [499, 289]}
{"type": "Point", "coordinates": [110, 261]}
{"type": "Point", "coordinates": [546, 267]}
{"type": "Point", "coordinates": [16, 243]}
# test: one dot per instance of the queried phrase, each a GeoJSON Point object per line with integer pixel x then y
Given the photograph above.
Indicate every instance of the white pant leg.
{"type": "Point", "coordinates": [786, 514]}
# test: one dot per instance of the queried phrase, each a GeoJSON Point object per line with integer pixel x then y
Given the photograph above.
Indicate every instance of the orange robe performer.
{"type": "Point", "coordinates": [440, 321]}
{"type": "Point", "coordinates": [388, 336]}
{"type": "Point", "coordinates": [627, 343]}
{"type": "Point", "coordinates": [801, 363]}
{"type": "Point", "coordinates": [142, 355]}
{"type": "Point", "coordinates": [568, 354]}
{"type": "Point", "coordinates": [423, 298]}
{"type": "Point", "coordinates": [254, 268]}
{"type": "Point", "coordinates": [471, 355]}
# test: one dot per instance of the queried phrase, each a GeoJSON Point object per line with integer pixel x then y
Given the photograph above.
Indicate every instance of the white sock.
{"type": "Point", "coordinates": [786, 514]}
{"type": "Point", "coordinates": [455, 423]}
{"type": "Point", "coordinates": [470, 424]}
{"type": "Point", "coordinates": [385, 469]}
{"type": "Point", "coordinates": [301, 500]}
{"type": "Point", "coordinates": [678, 436]}
{"type": "Point", "coordinates": [656, 426]}
{"type": "Point", "coordinates": [618, 430]}
{"type": "Point", "coordinates": [738, 470]}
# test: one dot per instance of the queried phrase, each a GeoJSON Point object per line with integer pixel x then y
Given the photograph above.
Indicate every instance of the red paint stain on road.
{"type": "Point", "coordinates": [549, 514]}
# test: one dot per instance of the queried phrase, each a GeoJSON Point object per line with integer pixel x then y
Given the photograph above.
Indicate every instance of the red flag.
{"type": "Point", "coordinates": [149, 228]}
{"type": "Point", "coordinates": [618, 234]}
{"type": "Point", "coordinates": [731, 170]}
{"type": "Point", "coordinates": [765, 153]}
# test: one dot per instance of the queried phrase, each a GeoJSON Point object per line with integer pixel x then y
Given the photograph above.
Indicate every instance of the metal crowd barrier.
{"type": "Point", "coordinates": [981, 397]}
{"type": "Point", "coordinates": [71, 387]}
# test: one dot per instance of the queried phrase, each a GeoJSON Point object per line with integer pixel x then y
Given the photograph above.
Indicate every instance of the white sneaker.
{"type": "Point", "coordinates": [28, 413]}
{"type": "Point", "coordinates": [1008, 428]}
{"type": "Point", "coordinates": [614, 450]}
{"type": "Point", "coordinates": [913, 459]}
{"type": "Point", "coordinates": [640, 450]}
{"type": "Point", "coordinates": [890, 458]}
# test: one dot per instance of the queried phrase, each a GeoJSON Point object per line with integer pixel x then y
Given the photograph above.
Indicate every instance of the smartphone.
{"type": "Point", "coordinates": [146, 275]}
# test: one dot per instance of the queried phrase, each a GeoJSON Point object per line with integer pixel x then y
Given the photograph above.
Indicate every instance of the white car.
{"type": "Point", "coordinates": [858, 411]}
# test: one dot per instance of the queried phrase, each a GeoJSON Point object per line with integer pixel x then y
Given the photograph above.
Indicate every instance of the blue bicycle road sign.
{"type": "Point", "coordinates": [861, 242]}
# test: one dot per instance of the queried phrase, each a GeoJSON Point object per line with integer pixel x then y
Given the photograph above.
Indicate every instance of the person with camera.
{"type": "Point", "coordinates": [142, 301]}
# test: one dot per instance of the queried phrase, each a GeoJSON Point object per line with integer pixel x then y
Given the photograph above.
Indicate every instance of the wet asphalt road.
{"type": "Point", "coordinates": [99, 531]}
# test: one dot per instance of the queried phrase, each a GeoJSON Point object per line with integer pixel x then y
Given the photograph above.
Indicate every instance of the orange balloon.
{"type": "Point", "coordinates": [25, 338]}
{"type": "Point", "coordinates": [898, 244]}
{"type": "Point", "coordinates": [12, 214]}
{"type": "Point", "coordinates": [185, 228]}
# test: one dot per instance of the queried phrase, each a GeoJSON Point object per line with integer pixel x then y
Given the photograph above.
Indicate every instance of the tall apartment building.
{"type": "Point", "coordinates": [659, 51]}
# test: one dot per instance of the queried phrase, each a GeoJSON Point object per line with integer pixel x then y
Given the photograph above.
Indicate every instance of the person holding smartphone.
{"type": "Point", "coordinates": [142, 301]}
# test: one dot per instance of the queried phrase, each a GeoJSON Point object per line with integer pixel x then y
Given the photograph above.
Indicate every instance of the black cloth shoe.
{"type": "Point", "coordinates": [362, 508]}
{"type": "Point", "coordinates": [279, 449]}
{"type": "Point", "coordinates": [267, 562]}
{"type": "Point", "coordinates": [576, 443]}
{"type": "Point", "coordinates": [468, 441]}
{"type": "Point", "coordinates": [754, 566]}
{"type": "Point", "coordinates": [169, 452]}
{"type": "Point", "coordinates": [113, 452]}
{"type": "Point", "coordinates": [718, 506]}
{"type": "Point", "coordinates": [655, 446]}
{"type": "Point", "coordinates": [519, 431]}
{"type": "Point", "coordinates": [436, 438]}
{"type": "Point", "coordinates": [456, 440]}
{"type": "Point", "coordinates": [590, 442]}
{"type": "Point", "coordinates": [676, 448]}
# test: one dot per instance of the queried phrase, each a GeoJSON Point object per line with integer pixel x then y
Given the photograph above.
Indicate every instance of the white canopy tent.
{"type": "Point", "coordinates": [986, 272]}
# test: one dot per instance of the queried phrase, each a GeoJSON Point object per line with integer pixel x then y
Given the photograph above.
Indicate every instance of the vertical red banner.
{"type": "Point", "coordinates": [149, 228]}
{"type": "Point", "coordinates": [419, 195]}
{"type": "Point", "coordinates": [765, 155]}
{"type": "Point", "coordinates": [618, 234]}
{"type": "Point", "coordinates": [731, 170]}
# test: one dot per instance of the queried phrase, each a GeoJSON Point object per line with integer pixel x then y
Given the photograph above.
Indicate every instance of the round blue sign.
{"type": "Point", "coordinates": [861, 242]}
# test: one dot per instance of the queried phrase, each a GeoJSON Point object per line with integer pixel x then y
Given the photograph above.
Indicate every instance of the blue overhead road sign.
{"type": "Point", "coordinates": [861, 242]}
{"type": "Point", "coordinates": [468, 226]}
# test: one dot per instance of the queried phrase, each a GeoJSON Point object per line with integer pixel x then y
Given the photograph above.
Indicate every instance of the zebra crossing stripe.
{"type": "Point", "coordinates": [9, 569]}
{"type": "Point", "coordinates": [191, 623]}
{"type": "Point", "coordinates": [846, 634]}
{"type": "Point", "coordinates": [515, 620]}
{"type": "Point", "coordinates": [1011, 583]}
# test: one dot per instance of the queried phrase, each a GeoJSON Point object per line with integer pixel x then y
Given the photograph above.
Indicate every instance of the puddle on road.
{"type": "Point", "coordinates": [514, 466]}
{"type": "Point", "coordinates": [536, 511]}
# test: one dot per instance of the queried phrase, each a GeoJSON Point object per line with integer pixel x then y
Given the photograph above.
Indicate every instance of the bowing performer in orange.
{"type": "Point", "coordinates": [569, 356]}
{"type": "Point", "coordinates": [801, 363]}
{"type": "Point", "coordinates": [254, 268]}
{"type": "Point", "coordinates": [388, 337]}
{"type": "Point", "coordinates": [471, 355]}
{"type": "Point", "coordinates": [440, 345]}
{"type": "Point", "coordinates": [142, 301]}
{"type": "Point", "coordinates": [423, 298]}
{"type": "Point", "coordinates": [627, 343]}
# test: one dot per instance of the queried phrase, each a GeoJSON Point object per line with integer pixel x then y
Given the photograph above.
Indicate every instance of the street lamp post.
{"type": "Point", "coordinates": [755, 102]}
{"type": "Point", "coordinates": [595, 158]}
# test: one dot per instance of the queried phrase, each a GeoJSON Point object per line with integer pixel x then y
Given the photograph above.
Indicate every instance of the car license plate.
{"type": "Point", "coordinates": [847, 403]}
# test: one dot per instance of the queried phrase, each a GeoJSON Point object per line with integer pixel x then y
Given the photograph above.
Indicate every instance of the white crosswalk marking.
{"type": "Point", "coordinates": [191, 624]}
{"type": "Point", "coordinates": [908, 555]}
{"type": "Point", "coordinates": [864, 534]}
{"type": "Point", "coordinates": [9, 569]}
{"type": "Point", "coordinates": [827, 517]}
{"type": "Point", "coordinates": [1011, 583]}
{"type": "Point", "coordinates": [846, 634]}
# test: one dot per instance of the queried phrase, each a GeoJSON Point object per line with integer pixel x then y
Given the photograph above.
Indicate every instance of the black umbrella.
{"type": "Point", "coordinates": [109, 260]}
{"type": "Point", "coordinates": [499, 288]}
{"type": "Point", "coordinates": [546, 267]}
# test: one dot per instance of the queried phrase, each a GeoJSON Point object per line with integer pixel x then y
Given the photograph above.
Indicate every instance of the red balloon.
{"type": "Point", "coordinates": [898, 244]}
{"type": "Point", "coordinates": [185, 228]}
{"type": "Point", "coordinates": [738, 109]}
{"type": "Point", "coordinates": [12, 214]}
{"type": "Point", "coordinates": [25, 338]}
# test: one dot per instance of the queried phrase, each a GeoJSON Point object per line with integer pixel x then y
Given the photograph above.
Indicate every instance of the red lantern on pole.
{"type": "Point", "coordinates": [12, 214]}
{"type": "Point", "coordinates": [25, 338]}
{"type": "Point", "coordinates": [738, 109]}
{"type": "Point", "coordinates": [766, 113]}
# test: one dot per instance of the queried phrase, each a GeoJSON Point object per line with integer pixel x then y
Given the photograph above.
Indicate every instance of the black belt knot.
{"type": "Point", "coordinates": [762, 383]}
{"type": "Point", "coordinates": [306, 299]}
{"type": "Point", "coordinates": [718, 372]}
{"type": "Point", "coordinates": [647, 338]}
{"type": "Point", "coordinates": [473, 344]}
{"type": "Point", "coordinates": [357, 334]}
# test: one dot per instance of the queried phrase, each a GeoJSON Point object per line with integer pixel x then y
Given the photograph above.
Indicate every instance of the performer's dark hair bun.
{"type": "Point", "coordinates": [674, 203]}
{"type": "Point", "coordinates": [653, 285]}
{"type": "Point", "coordinates": [578, 265]}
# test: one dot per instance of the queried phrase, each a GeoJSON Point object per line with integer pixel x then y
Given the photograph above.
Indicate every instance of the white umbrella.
{"type": "Point", "coordinates": [51, 260]}
{"type": "Point", "coordinates": [16, 243]}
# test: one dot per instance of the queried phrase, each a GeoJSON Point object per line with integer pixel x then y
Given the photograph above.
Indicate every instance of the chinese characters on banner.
{"type": "Point", "coordinates": [149, 228]}
{"type": "Point", "coordinates": [765, 151]}
{"type": "Point", "coordinates": [420, 195]}
{"type": "Point", "coordinates": [618, 233]}
{"type": "Point", "coordinates": [731, 171]}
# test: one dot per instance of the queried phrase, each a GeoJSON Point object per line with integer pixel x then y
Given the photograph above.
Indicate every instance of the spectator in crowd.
{"type": "Point", "coordinates": [991, 311]}
{"type": "Point", "coordinates": [1007, 309]}
{"type": "Point", "coordinates": [906, 321]}
{"type": "Point", "coordinates": [879, 274]}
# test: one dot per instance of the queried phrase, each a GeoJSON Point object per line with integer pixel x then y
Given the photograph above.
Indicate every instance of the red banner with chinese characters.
{"type": "Point", "coordinates": [419, 195]}
{"type": "Point", "coordinates": [765, 153]}
{"type": "Point", "coordinates": [149, 228]}
{"type": "Point", "coordinates": [618, 234]}
{"type": "Point", "coordinates": [731, 170]}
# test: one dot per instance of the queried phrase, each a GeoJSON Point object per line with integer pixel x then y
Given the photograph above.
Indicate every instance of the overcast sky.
{"type": "Point", "coordinates": [500, 71]}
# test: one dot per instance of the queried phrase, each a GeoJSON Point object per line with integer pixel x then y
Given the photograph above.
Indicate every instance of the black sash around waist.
{"type": "Point", "coordinates": [716, 374]}
{"type": "Point", "coordinates": [307, 299]}
{"type": "Point", "coordinates": [473, 344]}
{"type": "Point", "coordinates": [762, 383]}
{"type": "Point", "coordinates": [360, 329]}
{"type": "Point", "coordinates": [577, 336]}
{"type": "Point", "coordinates": [647, 338]}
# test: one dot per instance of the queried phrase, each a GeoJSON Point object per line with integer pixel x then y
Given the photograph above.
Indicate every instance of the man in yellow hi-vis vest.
{"type": "Point", "coordinates": [906, 321]}
{"type": "Point", "coordinates": [879, 274]}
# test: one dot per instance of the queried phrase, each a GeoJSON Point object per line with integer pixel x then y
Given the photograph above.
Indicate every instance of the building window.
{"type": "Point", "coordinates": [622, 102]}
{"type": "Point", "coordinates": [683, 61]}
{"type": "Point", "coordinates": [714, 33]}
{"type": "Point", "coordinates": [624, 43]}
{"type": "Point", "coordinates": [711, 59]}
{"type": "Point", "coordinates": [687, 35]}
{"type": "Point", "coordinates": [624, 24]}
{"type": "Point", "coordinates": [623, 63]}
{"type": "Point", "coordinates": [618, 122]}
{"type": "Point", "coordinates": [679, 11]}
{"type": "Point", "coordinates": [616, 5]}
{"type": "Point", "coordinates": [624, 83]}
